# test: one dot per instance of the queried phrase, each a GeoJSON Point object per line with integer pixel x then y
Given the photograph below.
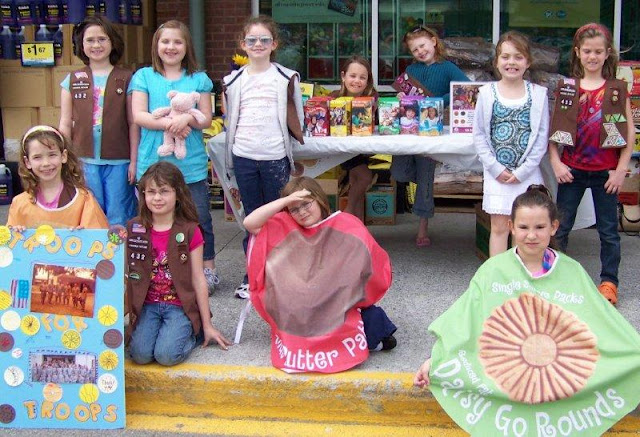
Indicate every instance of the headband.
{"type": "Point", "coordinates": [594, 26]}
{"type": "Point", "coordinates": [42, 128]}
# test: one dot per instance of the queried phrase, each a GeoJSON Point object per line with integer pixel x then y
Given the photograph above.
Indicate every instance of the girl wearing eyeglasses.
{"type": "Point", "coordinates": [174, 67]}
{"type": "Point", "coordinates": [264, 120]}
{"type": "Point", "coordinates": [434, 73]}
{"type": "Point", "coordinates": [106, 145]}
{"type": "Point", "coordinates": [308, 266]}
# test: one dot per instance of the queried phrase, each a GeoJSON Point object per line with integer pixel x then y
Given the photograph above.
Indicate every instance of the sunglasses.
{"type": "Point", "coordinates": [265, 40]}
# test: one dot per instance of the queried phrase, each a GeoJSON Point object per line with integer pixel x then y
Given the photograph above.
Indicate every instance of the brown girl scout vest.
{"type": "Point", "coordinates": [139, 263]}
{"type": "Point", "coordinates": [115, 126]}
{"type": "Point", "coordinates": [614, 122]}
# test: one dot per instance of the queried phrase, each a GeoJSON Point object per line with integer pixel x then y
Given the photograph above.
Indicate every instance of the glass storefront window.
{"type": "Point", "coordinates": [316, 38]}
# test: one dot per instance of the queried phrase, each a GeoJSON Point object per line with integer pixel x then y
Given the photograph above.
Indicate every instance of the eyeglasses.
{"type": "Point", "coordinates": [102, 40]}
{"type": "Point", "coordinates": [303, 207]}
{"type": "Point", "coordinates": [265, 40]}
{"type": "Point", "coordinates": [163, 192]}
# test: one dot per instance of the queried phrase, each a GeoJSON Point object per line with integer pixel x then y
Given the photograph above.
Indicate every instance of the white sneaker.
{"type": "Point", "coordinates": [211, 275]}
{"type": "Point", "coordinates": [242, 292]}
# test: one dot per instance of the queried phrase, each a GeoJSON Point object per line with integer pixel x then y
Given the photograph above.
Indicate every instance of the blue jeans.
{"type": "Point", "coordinates": [606, 208]}
{"type": "Point", "coordinates": [259, 182]}
{"type": "Point", "coordinates": [421, 171]}
{"type": "Point", "coordinates": [200, 195]}
{"type": "Point", "coordinates": [112, 190]}
{"type": "Point", "coordinates": [163, 333]}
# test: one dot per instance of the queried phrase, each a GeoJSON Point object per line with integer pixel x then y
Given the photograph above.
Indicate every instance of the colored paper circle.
{"type": "Point", "coordinates": [13, 376]}
{"type": "Point", "coordinates": [10, 321]}
{"type": "Point", "coordinates": [105, 269]}
{"type": "Point", "coordinates": [117, 234]}
{"type": "Point", "coordinates": [112, 338]}
{"type": "Point", "coordinates": [45, 234]}
{"type": "Point", "coordinates": [89, 393]}
{"type": "Point", "coordinates": [7, 413]}
{"type": "Point", "coordinates": [5, 235]}
{"type": "Point", "coordinates": [107, 383]}
{"type": "Point", "coordinates": [5, 300]}
{"type": "Point", "coordinates": [6, 256]}
{"type": "Point", "coordinates": [16, 353]}
{"type": "Point", "coordinates": [108, 360]}
{"type": "Point", "coordinates": [71, 339]}
{"type": "Point", "coordinates": [30, 325]}
{"type": "Point", "coordinates": [107, 315]}
{"type": "Point", "coordinates": [52, 392]}
{"type": "Point", "coordinates": [6, 341]}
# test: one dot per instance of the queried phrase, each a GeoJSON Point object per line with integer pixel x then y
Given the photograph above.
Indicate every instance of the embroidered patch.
{"type": "Point", "coordinates": [137, 228]}
{"type": "Point", "coordinates": [615, 118]}
{"type": "Point", "coordinates": [81, 75]}
{"type": "Point", "coordinates": [183, 257]}
{"type": "Point", "coordinates": [562, 137]}
{"type": "Point", "coordinates": [614, 139]}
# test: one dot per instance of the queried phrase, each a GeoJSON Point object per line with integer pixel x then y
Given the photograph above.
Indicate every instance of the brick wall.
{"type": "Point", "coordinates": [223, 23]}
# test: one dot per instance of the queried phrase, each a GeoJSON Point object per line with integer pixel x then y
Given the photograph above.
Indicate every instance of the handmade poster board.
{"type": "Point", "coordinates": [61, 328]}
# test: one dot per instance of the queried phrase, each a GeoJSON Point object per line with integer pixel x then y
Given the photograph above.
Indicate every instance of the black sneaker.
{"type": "Point", "coordinates": [389, 343]}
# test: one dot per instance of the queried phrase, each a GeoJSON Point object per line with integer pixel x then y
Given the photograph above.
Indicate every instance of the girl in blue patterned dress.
{"type": "Point", "coordinates": [510, 134]}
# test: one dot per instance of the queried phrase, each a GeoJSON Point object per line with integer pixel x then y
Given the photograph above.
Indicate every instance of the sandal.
{"type": "Point", "coordinates": [609, 291]}
{"type": "Point", "coordinates": [423, 242]}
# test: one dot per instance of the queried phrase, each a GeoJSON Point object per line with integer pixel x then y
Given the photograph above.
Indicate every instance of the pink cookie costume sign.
{"type": "Point", "coordinates": [543, 356]}
{"type": "Point", "coordinates": [61, 329]}
{"type": "Point", "coordinates": [308, 285]}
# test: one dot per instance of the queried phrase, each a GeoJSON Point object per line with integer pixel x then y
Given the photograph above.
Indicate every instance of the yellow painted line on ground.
{"type": "Point", "coordinates": [265, 428]}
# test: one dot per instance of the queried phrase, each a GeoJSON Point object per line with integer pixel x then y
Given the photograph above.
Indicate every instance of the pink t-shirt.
{"type": "Point", "coordinates": [161, 288]}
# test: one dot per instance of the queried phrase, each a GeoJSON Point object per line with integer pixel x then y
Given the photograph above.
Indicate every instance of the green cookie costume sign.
{"type": "Point", "coordinates": [523, 356]}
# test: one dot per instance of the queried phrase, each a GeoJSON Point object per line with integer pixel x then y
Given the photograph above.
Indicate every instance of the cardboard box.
{"type": "Point", "coordinates": [49, 115]}
{"type": "Point", "coordinates": [630, 72]}
{"type": "Point", "coordinates": [630, 192]}
{"type": "Point", "coordinates": [25, 87]}
{"type": "Point", "coordinates": [59, 73]}
{"type": "Point", "coordinates": [16, 121]}
{"type": "Point", "coordinates": [380, 205]}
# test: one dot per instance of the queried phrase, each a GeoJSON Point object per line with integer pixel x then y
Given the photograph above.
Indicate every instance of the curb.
{"type": "Point", "coordinates": [247, 401]}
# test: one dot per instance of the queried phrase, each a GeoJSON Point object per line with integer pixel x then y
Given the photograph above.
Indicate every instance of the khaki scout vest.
{"type": "Point", "coordinates": [614, 122]}
{"type": "Point", "coordinates": [139, 263]}
{"type": "Point", "coordinates": [115, 126]}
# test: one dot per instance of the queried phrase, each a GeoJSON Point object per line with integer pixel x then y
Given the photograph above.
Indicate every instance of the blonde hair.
{"type": "Point", "coordinates": [189, 62]}
{"type": "Point", "coordinates": [593, 30]}
{"type": "Point", "coordinates": [426, 32]}
{"type": "Point", "coordinates": [317, 194]}
{"type": "Point", "coordinates": [50, 137]}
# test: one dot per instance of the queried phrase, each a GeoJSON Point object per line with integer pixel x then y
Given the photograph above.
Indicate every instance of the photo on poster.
{"type": "Point", "coordinates": [58, 289]}
{"type": "Point", "coordinates": [464, 96]}
{"type": "Point", "coordinates": [62, 367]}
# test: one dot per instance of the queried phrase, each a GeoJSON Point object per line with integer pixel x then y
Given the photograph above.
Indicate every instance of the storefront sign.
{"type": "Point", "coordinates": [553, 13]}
{"type": "Point", "coordinates": [316, 11]}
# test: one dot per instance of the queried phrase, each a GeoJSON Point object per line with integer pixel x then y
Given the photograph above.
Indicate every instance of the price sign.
{"type": "Point", "coordinates": [37, 54]}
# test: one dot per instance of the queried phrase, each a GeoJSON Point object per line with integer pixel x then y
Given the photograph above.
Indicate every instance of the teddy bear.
{"type": "Point", "coordinates": [181, 103]}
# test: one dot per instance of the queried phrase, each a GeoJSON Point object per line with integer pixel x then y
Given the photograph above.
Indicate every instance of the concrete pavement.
{"type": "Point", "coordinates": [238, 392]}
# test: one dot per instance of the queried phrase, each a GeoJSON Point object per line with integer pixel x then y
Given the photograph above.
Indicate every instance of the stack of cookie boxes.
{"type": "Point", "coordinates": [630, 72]}
{"type": "Point", "coordinates": [31, 95]}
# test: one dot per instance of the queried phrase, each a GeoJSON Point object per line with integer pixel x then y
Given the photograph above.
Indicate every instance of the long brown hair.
{"type": "Point", "coordinates": [519, 41]}
{"type": "Point", "coordinates": [165, 173]}
{"type": "Point", "coordinates": [356, 59]}
{"type": "Point", "coordinates": [52, 138]}
{"type": "Point", "coordinates": [427, 32]}
{"type": "Point", "coordinates": [189, 62]}
{"type": "Point", "coordinates": [117, 44]}
{"type": "Point", "coordinates": [317, 193]}
{"type": "Point", "coordinates": [593, 30]}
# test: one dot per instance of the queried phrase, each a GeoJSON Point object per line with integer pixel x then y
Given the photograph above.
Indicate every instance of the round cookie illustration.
{"type": "Point", "coordinates": [52, 392]}
{"type": "Point", "coordinates": [30, 325]}
{"type": "Point", "coordinates": [5, 300]}
{"type": "Point", "coordinates": [45, 234]}
{"type": "Point", "coordinates": [536, 351]}
{"type": "Point", "coordinates": [108, 360]}
{"type": "Point", "coordinates": [7, 413]}
{"type": "Point", "coordinates": [112, 338]}
{"type": "Point", "coordinates": [5, 235]}
{"type": "Point", "coordinates": [6, 341]}
{"type": "Point", "coordinates": [105, 269]}
{"type": "Point", "coordinates": [71, 339]}
{"type": "Point", "coordinates": [89, 393]}
{"type": "Point", "coordinates": [107, 315]}
{"type": "Point", "coordinates": [117, 234]}
{"type": "Point", "coordinates": [10, 320]}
